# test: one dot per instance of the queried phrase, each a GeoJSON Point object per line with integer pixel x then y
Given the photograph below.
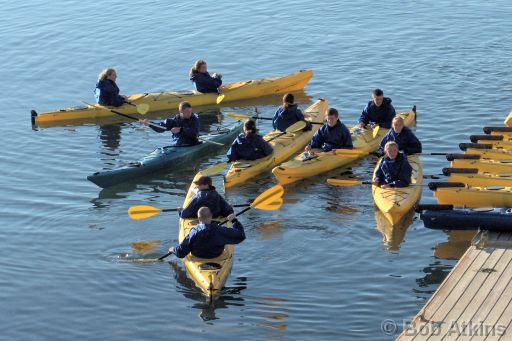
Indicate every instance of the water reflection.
{"type": "Point", "coordinates": [393, 235]}
{"type": "Point", "coordinates": [110, 136]}
{"type": "Point", "coordinates": [273, 312]}
{"type": "Point", "coordinates": [457, 244]}
{"type": "Point", "coordinates": [229, 296]}
{"type": "Point", "coordinates": [269, 230]}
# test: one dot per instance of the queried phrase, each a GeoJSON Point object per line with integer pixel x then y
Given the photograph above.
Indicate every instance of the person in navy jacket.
{"type": "Point", "coordinates": [407, 142]}
{"type": "Point", "coordinates": [379, 110]}
{"type": "Point", "coordinates": [249, 145]}
{"type": "Point", "coordinates": [288, 114]}
{"type": "Point", "coordinates": [207, 196]}
{"type": "Point", "coordinates": [202, 79]}
{"type": "Point", "coordinates": [107, 92]}
{"type": "Point", "coordinates": [332, 135]}
{"type": "Point", "coordinates": [207, 239]}
{"type": "Point", "coordinates": [394, 168]}
{"type": "Point", "coordinates": [184, 127]}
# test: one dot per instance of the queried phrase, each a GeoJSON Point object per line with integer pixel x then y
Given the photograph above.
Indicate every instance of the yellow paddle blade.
{"type": "Point", "coordinates": [215, 169]}
{"type": "Point", "coordinates": [375, 131]}
{"type": "Point", "coordinates": [143, 212]}
{"type": "Point", "coordinates": [136, 97]}
{"type": "Point", "coordinates": [143, 108]}
{"type": "Point", "coordinates": [269, 197]}
{"type": "Point", "coordinates": [144, 246]}
{"type": "Point", "coordinates": [238, 116]}
{"type": "Point", "coordinates": [348, 152]}
{"type": "Point", "coordinates": [220, 98]}
{"type": "Point", "coordinates": [344, 182]}
{"type": "Point", "coordinates": [269, 205]}
{"type": "Point", "coordinates": [297, 126]}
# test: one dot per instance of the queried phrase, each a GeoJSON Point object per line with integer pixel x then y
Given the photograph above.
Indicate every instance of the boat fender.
{"type": "Point", "coordinates": [476, 138]}
{"type": "Point", "coordinates": [431, 207]}
{"type": "Point", "coordinates": [435, 185]}
{"type": "Point", "coordinates": [451, 157]}
{"type": "Point", "coordinates": [489, 130]}
{"type": "Point", "coordinates": [465, 146]}
{"type": "Point", "coordinates": [448, 171]}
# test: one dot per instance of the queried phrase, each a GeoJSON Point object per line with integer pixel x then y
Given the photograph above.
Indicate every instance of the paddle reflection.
{"type": "Point", "coordinates": [229, 296]}
{"type": "Point", "coordinates": [269, 230]}
{"type": "Point", "coordinates": [393, 235]}
{"type": "Point", "coordinates": [273, 312]}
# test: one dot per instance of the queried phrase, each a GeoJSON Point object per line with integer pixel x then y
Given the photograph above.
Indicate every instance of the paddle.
{"type": "Point", "coordinates": [220, 98]}
{"type": "Point", "coordinates": [354, 182]}
{"type": "Point", "coordinates": [272, 197]}
{"type": "Point", "coordinates": [143, 112]}
{"type": "Point", "coordinates": [219, 167]}
{"type": "Point", "coordinates": [243, 116]}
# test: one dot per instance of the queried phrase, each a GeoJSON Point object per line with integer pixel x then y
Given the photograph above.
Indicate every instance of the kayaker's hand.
{"type": "Point", "coordinates": [231, 217]}
{"type": "Point", "coordinates": [307, 148]}
{"type": "Point", "coordinates": [172, 249]}
{"type": "Point", "coordinates": [361, 125]}
{"type": "Point", "coordinates": [145, 121]}
{"type": "Point", "coordinates": [217, 75]}
{"type": "Point", "coordinates": [175, 130]}
{"type": "Point", "coordinates": [385, 186]}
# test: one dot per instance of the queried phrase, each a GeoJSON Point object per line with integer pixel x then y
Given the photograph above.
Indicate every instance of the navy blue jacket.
{"type": "Point", "coordinates": [249, 148]}
{"type": "Point", "coordinates": [209, 198]}
{"type": "Point", "coordinates": [382, 115]}
{"type": "Point", "coordinates": [406, 140]}
{"type": "Point", "coordinates": [107, 93]}
{"type": "Point", "coordinates": [206, 83]}
{"type": "Point", "coordinates": [283, 118]}
{"type": "Point", "coordinates": [208, 240]}
{"type": "Point", "coordinates": [396, 173]}
{"type": "Point", "coordinates": [329, 138]}
{"type": "Point", "coordinates": [189, 129]}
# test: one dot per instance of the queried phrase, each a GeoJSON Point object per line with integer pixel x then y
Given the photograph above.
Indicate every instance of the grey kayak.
{"type": "Point", "coordinates": [165, 157]}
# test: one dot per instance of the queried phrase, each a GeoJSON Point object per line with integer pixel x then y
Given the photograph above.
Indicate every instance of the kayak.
{"type": "Point", "coordinates": [486, 151]}
{"type": "Point", "coordinates": [317, 162]}
{"type": "Point", "coordinates": [167, 157]}
{"type": "Point", "coordinates": [284, 147]}
{"type": "Point", "coordinates": [209, 275]}
{"type": "Point", "coordinates": [474, 177]}
{"type": "Point", "coordinates": [460, 195]}
{"type": "Point", "coordinates": [484, 165]}
{"type": "Point", "coordinates": [395, 202]}
{"type": "Point", "coordinates": [159, 101]}
{"type": "Point", "coordinates": [493, 219]}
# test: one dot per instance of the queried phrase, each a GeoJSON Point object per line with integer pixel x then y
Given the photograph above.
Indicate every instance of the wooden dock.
{"type": "Point", "coordinates": [474, 302]}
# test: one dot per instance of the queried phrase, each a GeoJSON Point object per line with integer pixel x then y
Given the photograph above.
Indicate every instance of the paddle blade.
{"type": "Point", "coordinates": [220, 98]}
{"type": "Point", "coordinates": [348, 152]}
{"type": "Point", "coordinates": [143, 108]}
{"type": "Point", "coordinates": [238, 116]}
{"type": "Point", "coordinates": [143, 212]}
{"type": "Point", "coordinates": [297, 126]}
{"type": "Point", "coordinates": [344, 182]}
{"type": "Point", "coordinates": [375, 131]}
{"type": "Point", "coordinates": [269, 205]}
{"type": "Point", "coordinates": [269, 197]}
{"type": "Point", "coordinates": [215, 169]}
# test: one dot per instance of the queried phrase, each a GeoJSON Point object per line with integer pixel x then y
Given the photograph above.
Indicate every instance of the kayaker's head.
{"type": "Point", "coordinates": [397, 124]}
{"type": "Point", "coordinates": [288, 100]}
{"type": "Point", "coordinates": [250, 128]}
{"type": "Point", "coordinates": [203, 183]}
{"type": "Point", "coordinates": [185, 110]}
{"type": "Point", "coordinates": [199, 66]}
{"type": "Point", "coordinates": [204, 215]}
{"type": "Point", "coordinates": [378, 97]}
{"type": "Point", "coordinates": [332, 117]}
{"type": "Point", "coordinates": [108, 73]}
{"type": "Point", "coordinates": [391, 150]}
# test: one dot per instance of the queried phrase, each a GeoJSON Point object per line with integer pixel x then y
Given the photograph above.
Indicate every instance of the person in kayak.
{"type": "Point", "coordinates": [202, 79]}
{"type": "Point", "coordinates": [107, 92]}
{"type": "Point", "coordinates": [379, 110]}
{"type": "Point", "coordinates": [184, 127]}
{"type": "Point", "coordinates": [207, 239]}
{"type": "Point", "coordinates": [332, 135]}
{"type": "Point", "coordinates": [288, 114]}
{"type": "Point", "coordinates": [207, 196]}
{"type": "Point", "coordinates": [394, 168]}
{"type": "Point", "coordinates": [249, 145]}
{"type": "Point", "coordinates": [407, 142]}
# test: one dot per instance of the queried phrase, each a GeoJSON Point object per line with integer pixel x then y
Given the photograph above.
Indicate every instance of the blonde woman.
{"type": "Point", "coordinates": [107, 92]}
{"type": "Point", "coordinates": [204, 82]}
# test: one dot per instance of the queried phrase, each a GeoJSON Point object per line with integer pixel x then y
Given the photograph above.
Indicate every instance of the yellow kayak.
{"type": "Point", "coordinates": [487, 152]}
{"type": "Point", "coordinates": [395, 202]}
{"type": "Point", "coordinates": [472, 197]}
{"type": "Point", "coordinates": [209, 275]}
{"type": "Point", "coordinates": [365, 141]}
{"type": "Point", "coordinates": [484, 165]}
{"type": "Point", "coordinates": [284, 147]}
{"type": "Point", "coordinates": [159, 101]}
{"type": "Point", "coordinates": [477, 177]}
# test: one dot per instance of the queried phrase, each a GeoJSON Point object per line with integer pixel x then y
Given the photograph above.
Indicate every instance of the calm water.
{"type": "Point", "coordinates": [318, 267]}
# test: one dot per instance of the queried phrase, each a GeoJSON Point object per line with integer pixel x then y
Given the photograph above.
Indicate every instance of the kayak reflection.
{"type": "Point", "coordinates": [393, 234]}
{"type": "Point", "coordinates": [458, 242]}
